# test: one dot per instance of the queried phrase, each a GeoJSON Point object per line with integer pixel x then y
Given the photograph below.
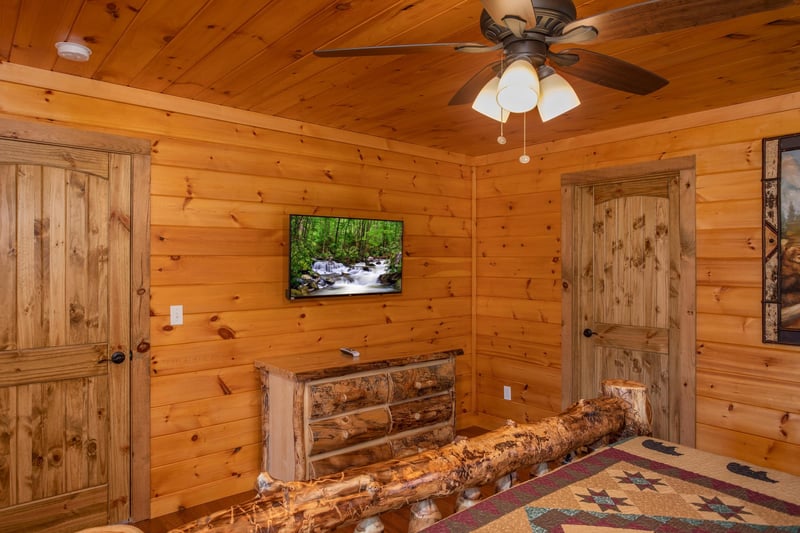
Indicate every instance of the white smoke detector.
{"type": "Point", "coordinates": [73, 51]}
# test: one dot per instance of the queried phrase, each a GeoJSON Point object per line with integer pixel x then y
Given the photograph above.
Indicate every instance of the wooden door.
{"type": "Point", "coordinates": [66, 311]}
{"type": "Point", "coordinates": [632, 308]}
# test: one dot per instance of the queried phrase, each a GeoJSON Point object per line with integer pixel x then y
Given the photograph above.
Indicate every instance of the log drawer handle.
{"type": "Point", "coordinates": [343, 397]}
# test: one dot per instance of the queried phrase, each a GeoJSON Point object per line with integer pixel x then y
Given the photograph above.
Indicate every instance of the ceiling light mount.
{"type": "Point", "coordinates": [73, 51]}
{"type": "Point", "coordinates": [533, 50]}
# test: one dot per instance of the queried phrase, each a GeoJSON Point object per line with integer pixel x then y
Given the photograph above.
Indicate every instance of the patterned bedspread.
{"type": "Point", "coordinates": [642, 484]}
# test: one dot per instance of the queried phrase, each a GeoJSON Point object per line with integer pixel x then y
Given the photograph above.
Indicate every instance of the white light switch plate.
{"type": "Point", "coordinates": [175, 315]}
{"type": "Point", "coordinates": [506, 392]}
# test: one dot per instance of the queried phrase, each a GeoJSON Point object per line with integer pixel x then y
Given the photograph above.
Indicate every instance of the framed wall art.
{"type": "Point", "coordinates": [781, 239]}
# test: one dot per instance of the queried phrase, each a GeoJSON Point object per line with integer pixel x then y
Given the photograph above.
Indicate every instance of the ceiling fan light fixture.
{"type": "Point", "coordinates": [486, 102]}
{"type": "Point", "coordinates": [73, 51]}
{"type": "Point", "coordinates": [557, 95]}
{"type": "Point", "coordinates": [518, 88]}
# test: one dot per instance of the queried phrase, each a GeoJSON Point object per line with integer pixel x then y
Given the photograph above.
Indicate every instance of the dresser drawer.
{"type": "Point", "coordinates": [409, 444]}
{"type": "Point", "coordinates": [347, 394]}
{"type": "Point", "coordinates": [420, 381]}
{"type": "Point", "coordinates": [420, 413]}
{"type": "Point", "coordinates": [347, 430]}
{"type": "Point", "coordinates": [349, 459]}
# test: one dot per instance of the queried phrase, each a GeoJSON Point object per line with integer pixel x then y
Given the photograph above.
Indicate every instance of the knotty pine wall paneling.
{"type": "Point", "coordinates": [221, 192]}
{"type": "Point", "coordinates": [748, 393]}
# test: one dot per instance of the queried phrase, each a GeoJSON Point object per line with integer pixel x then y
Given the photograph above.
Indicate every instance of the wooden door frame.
{"type": "Point", "coordinates": [139, 149]}
{"type": "Point", "coordinates": [684, 169]}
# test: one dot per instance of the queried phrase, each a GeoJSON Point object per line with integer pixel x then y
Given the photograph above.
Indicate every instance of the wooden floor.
{"type": "Point", "coordinates": [394, 522]}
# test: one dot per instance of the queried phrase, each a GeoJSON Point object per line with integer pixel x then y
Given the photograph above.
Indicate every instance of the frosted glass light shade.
{"type": "Point", "coordinates": [73, 51]}
{"type": "Point", "coordinates": [556, 98]}
{"type": "Point", "coordinates": [518, 90]}
{"type": "Point", "coordinates": [486, 102]}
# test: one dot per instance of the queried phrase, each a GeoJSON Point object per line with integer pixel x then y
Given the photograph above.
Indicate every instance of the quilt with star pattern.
{"type": "Point", "coordinates": [641, 484]}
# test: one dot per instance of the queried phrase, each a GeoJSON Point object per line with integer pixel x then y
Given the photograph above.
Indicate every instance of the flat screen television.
{"type": "Point", "coordinates": [344, 256]}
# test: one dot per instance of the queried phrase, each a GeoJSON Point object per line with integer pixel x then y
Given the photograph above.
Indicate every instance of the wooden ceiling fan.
{"type": "Point", "coordinates": [525, 30]}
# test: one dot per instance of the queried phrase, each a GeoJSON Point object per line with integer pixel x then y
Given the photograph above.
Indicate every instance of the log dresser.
{"type": "Point", "coordinates": [324, 412]}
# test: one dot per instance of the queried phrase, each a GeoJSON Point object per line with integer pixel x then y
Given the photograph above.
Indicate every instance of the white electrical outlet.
{"type": "Point", "coordinates": [175, 315]}
{"type": "Point", "coordinates": [506, 392]}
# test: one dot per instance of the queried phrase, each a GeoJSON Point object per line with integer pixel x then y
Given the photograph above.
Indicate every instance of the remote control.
{"type": "Point", "coordinates": [349, 351]}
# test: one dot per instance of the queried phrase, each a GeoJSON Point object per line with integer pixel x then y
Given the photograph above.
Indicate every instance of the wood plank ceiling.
{"type": "Point", "coordinates": [257, 55]}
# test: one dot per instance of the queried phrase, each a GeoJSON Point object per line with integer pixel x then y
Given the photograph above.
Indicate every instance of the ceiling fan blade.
{"type": "Point", "coordinates": [467, 93]}
{"type": "Point", "coordinates": [562, 59]}
{"type": "Point", "coordinates": [656, 16]}
{"type": "Point", "coordinates": [517, 15]}
{"type": "Point", "coordinates": [608, 71]}
{"type": "Point", "coordinates": [400, 49]}
{"type": "Point", "coordinates": [578, 34]}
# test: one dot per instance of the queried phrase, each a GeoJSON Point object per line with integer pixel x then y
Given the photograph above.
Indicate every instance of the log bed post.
{"type": "Point", "coordinates": [638, 416]}
{"type": "Point", "coordinates": [324, 503]}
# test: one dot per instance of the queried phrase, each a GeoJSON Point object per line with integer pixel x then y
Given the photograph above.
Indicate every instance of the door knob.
{"type": "Point", "coordinates": [588, 333]}
{"type": "Point", "coordinates": [118, 358]}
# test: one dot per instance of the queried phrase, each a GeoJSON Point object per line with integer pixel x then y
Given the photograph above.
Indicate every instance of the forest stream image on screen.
{"type": "Point", "coordinates": [344, 256]}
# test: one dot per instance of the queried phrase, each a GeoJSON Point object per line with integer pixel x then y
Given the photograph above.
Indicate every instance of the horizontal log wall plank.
{"type": "Point", "coordinates": [232, 462]}
{"type": "Point", "coordinates": [729, 185]}
{"type": "Point", "coordinates": [764, 361]}
{"type": "Point", "coordinates": [197, 414]}
{"type": "Point", "coordinates": [530, 288]}
{"type": "Point", "coordinates": [736, 301]}
{"type": "Point", "coordinates": [186, 387]}
{"type": "Point", "coordinates": [301, 318]}
{"type": "Point", "coordinates": [775, 394]}
{"type": "Point", "coordinates": [749, 419]}
{"type": "Point", "coordinates": [180, 358]}
{"type": "Point", "coordinates": [202, 493]}
{"type": "Point", "coordinates": [754, 449]}
{"type": "Point", "coordinates": [530, 352]}
{"type": "Point", "coordinates": [168, 449]}
{"type": "Point", "coordinates": [205, 183]}
{"type": "Point", "coordinates": [529, 310]}
{"type": "Point", "coordinates": [731, 242]}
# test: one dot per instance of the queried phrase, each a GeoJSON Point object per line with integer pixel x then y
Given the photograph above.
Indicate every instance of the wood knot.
{"type": "Point", "coordinates": [91, 448]}
{"type": "Point", "coordinates": [55, 458]}
{"type": "Point", "coordinates": [76, 313]}
{"type": "Point", "coordinates": [226, 333]}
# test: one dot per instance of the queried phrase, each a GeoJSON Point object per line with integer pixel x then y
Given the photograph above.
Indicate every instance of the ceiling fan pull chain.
{"type": "Point", "coordinates": [525, 158]}
{"type": "Point", "coordinates": [501, 139]}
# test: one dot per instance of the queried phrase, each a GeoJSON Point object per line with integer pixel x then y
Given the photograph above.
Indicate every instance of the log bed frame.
{"type": "Point", "coordinates": [362, 494]}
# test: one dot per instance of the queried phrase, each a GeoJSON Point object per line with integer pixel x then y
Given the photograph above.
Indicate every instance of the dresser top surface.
{"type": "Point", "coordinates": [332, 363]}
